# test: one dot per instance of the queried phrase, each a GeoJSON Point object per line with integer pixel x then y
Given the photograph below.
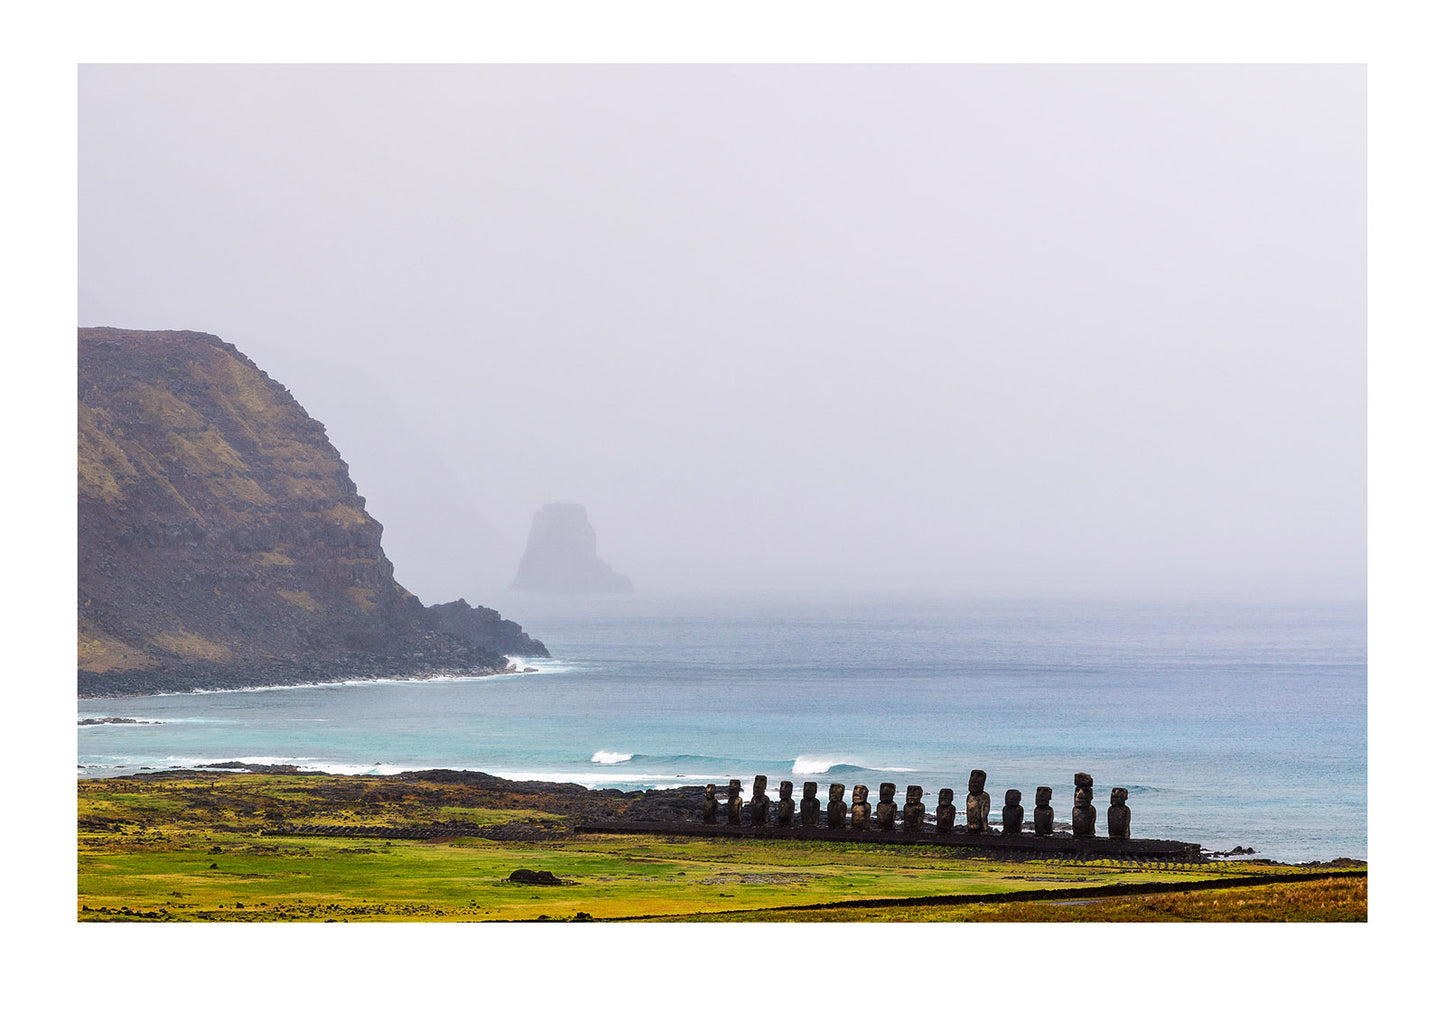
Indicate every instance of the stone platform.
{"type": "Point", "coordinates": [1060, 845]}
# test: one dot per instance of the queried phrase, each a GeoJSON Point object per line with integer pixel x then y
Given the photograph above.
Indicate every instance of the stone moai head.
{"type": "Point", "coordinates": [976, 780]}
{"type": "Point", "coordinates": [945, 796]}
{"type": "Point", "coordinates": [785, 789]}
{"type": "Point", "coordinates": [1083, 780]}
{"type": "Point", "coordinates": [835, 792]}
{"type": "Point", "coordinates": [1042, 796]}
{"type": "Point", "coordinates": [1083, 796]}
{"type": "Point", "coordinates": [810, 789]}
{"type": "Point", "coordinates": [760, 785]}
{"type": "Point", "coordinates": [914, 795]}
{"type": "Point", "coordinates": [1013, 797]}
{"type": "Point", "coordinates": [860, 793]}
{"type": "Point", "coordinates": [712, 790]}
{"type": "Point", "coordinates": [1119, 795]}
{"type": "Point", "coordinates": [735, 788]}
{"type": "Point", "coordinates": [886, 791]}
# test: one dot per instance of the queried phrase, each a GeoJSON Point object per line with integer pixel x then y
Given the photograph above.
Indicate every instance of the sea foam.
{"type": "Point", "coordinates": [607, 758]}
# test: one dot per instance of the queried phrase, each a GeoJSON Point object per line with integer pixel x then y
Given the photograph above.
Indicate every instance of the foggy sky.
{"type": "Point", "coordinates": [1083, 331]}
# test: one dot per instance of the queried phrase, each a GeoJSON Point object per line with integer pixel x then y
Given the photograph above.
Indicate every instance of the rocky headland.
{"type": "Point", "coordinates": [223, 544]}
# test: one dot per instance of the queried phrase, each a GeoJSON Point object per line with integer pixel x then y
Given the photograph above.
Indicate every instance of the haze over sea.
{"type": "Point", "coordinates": [1230, 723]}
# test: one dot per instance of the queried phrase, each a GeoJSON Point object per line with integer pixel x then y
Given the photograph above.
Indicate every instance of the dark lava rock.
{"type": "Point", "coordinates": [543, 878]}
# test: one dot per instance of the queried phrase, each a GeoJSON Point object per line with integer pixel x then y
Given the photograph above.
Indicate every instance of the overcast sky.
{"type": "Point", "coordinates": [1083, 331]}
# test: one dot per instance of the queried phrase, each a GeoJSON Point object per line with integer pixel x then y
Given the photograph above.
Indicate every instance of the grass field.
{"type": "Point", "coordinates": [194, 847]}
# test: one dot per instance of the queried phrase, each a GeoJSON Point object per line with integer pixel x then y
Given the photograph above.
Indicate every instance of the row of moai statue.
{"type": "Point", "coordinates": [976, 807]}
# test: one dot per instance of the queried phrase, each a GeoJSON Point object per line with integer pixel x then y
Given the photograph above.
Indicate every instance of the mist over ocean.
{"type": "Point", "coordinates": [1230, 723]}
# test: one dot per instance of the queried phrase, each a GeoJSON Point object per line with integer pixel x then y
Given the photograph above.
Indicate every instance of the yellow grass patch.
{"type": "Point", "coordinates": [305, 600]}
{"type": "Point", "coordinates": [362, 598]}
{"type": "Point", "coordinates": [99, 653]}
{"type": "Point", "coordinates": [192, 646]}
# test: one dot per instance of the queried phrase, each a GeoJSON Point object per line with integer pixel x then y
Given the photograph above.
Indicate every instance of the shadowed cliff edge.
{"type": "Point", "coordinates": [222, 542]}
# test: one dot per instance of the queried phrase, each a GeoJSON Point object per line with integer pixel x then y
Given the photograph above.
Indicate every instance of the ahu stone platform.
{"type": "Point", "coordinates": [860, 823]}
{"type": "Point", "coordinates": [1056, 846]}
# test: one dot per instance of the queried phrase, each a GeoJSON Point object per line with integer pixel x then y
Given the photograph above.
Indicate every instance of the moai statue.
{"type": "Point", "coordinates": [913, 809]}
{"type": "Point", "coordinates": [1013, 811]}
{"type": "Point", "coordinates": [1043, 812]}
{"type": "Point", "coordinates": [946, 811]}
{"type": "Point", "coordinates": [1084, 811]}
{"type": "Point", "coordinates": [735, 802]}
{"type": "Point", "coordinates": [861, 808]}
{"type": "Point", "coordinates": [1119, 814]}
{"type": "Point", "coordinates": [709, 805]}
{"type": "Point", "coordinates": [760, 800]}
{"type": "Point", "coordinates": [887, 807]}
{"type": "Point", "coordinates": [809, 808]}
{"type": "Point", "coordinates": [837, 811]}
{"type": "Point", "coordinates": [785, 804]}
{"type": "Point", "coordinates": [978, 803]}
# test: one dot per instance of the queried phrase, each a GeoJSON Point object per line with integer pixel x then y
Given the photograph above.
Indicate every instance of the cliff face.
{"type": "Point", "coordinates": [561, 555]}
{"type": "Point", "coordinates": [221, 539]}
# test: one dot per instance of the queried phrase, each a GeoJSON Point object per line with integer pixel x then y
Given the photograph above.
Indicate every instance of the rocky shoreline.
{"type": "Point", "coordinates": [184, 681]}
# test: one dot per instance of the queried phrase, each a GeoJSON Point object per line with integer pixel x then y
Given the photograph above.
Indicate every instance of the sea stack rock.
{"type": "Point", "coordinates": [561, 556]}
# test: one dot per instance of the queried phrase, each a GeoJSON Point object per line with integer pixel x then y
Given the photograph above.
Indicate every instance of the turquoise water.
{"type": "Point", "coordinates": [1229, 723]}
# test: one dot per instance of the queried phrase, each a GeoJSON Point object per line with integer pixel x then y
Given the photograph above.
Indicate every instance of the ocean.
{"type": "Point", "coordinates": [1231, 724]}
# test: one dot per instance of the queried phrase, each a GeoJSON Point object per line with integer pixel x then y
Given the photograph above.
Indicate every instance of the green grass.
{"type": "Point", "coordinates": [191, 847]}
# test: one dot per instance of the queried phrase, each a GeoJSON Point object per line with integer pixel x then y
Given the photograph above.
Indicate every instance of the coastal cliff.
{"type": "Point", "coordinates": [222, 542]}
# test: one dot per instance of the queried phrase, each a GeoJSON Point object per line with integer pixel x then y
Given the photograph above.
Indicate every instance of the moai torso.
{"type": "Point", "coordinates": [977, 805]}
{"type": "Point", "coordinates": [709, 805]}
{"type": "Point", "coordinates": [861, 808]}
{"type": "Point", "coordinates": [913, 809]}
{"type": "Point", "coordinates": [760, 801]}
{"type": "Point", "coordinates": [735, 802]}
{"type": "Point", "coordinates": [1084, 812]}
{"type": "Point", "coordinates": [1013, 811]}
{"type": "Point", "coordinates": [1119, 814]}
{"type": "Point", "coordinates": [1043, 812]}
{"type": "Point", "coordinates": [887, 807]}
{"type": "Point", "coordinates": [785, 804]}
{"type": "Point", "coordinates": [837, 811]}
{"type": "Point", "coordinates": [808, 810]}
{"type": "Point", "coordinates": [946, 810]}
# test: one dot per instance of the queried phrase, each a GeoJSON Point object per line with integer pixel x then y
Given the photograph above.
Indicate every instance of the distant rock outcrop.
{"type": "Point", "coordinates": [222, 542]}
{"type": "Point", "coordinates": [561, 556]}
